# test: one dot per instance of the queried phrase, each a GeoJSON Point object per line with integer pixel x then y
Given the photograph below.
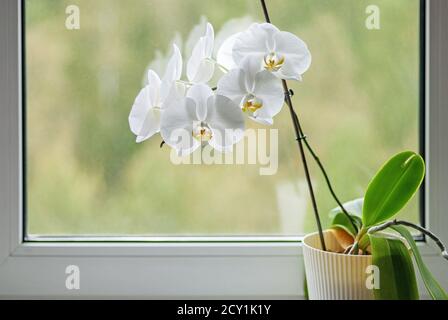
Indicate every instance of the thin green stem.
{"type": "Point", "coordinates": [296, 125]}
{"type": "Point", "coordinates": [324, 173]}
{"type": "Point", "coordinates": [428, 233]}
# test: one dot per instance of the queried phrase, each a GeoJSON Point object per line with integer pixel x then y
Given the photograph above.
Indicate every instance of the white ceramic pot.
{"type": "Point", "coordinates": [334, 276]}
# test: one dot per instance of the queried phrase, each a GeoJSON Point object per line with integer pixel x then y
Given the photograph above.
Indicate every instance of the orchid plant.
{"type": "Point", "coordinates": [253, 67]}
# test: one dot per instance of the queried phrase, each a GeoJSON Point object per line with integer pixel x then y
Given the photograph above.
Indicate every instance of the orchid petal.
{"type": "Point", "coordinates": [175, 93]}
{"type": "Point", "coordinates": [270, 31]}
{"type": "Point", "coordinates": [269, 89]}
{"type": "Point", "coordinates": [174, 68]}
{"type": "Point", "coordinates": [226, 121]}
{"type": "Point", "coordinates": [251, 66]}
{"type": "Point", "coordinates": [173, 72]}
{"type": "Point", "coordinates": [233, 85]}
{"type": "Point", "coordinates": [144, 119]}
{"type": "Point", "coordinates": [160, 62]}
{"type": "Point", "coordinates": [205, 72]}
{"type": "Point", "coordinates": [200, 93]}
{"type": "Point", "coordinates": [154, 84]}
{"type": "Point", "coordinates": [195, 34]}
{"type": "Point", "coordinates": [263, 121]}
{"type": "Point", "coordinates": [252, 43]}
{"type": "Point", "coordinates": [177, 126]}
{"type": "Point", "coordinates": [209, 41]}
{"type": "Point", "coordinates": [200, 68]}
{"type": "Point", "coordinates": [229, 29]}
{"type": "Point", "coordinates": [296, 54]}
{"type": "Point", "coordinates": [158, 65]}
{"type": "Point", "coordinates": [224, 55]}
{"type": "Point", "coordinates": [150, 127]}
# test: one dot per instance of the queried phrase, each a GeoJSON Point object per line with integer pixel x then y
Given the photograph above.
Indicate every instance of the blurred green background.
{"type": "Point", "coordinates": [359, 104]}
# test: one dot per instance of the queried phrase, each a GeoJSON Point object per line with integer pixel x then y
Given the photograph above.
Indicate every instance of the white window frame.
{"type": "Point", "coordinates": [252, 270]}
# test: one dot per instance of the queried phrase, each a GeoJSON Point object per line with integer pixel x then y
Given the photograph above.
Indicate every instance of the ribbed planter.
{"type": "Point", "coordinates": [334, 276]}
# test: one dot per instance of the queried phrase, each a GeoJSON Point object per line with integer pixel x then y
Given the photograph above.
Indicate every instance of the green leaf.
{"type": "Point", "coordinates": [397, 275]}
{"type": "Point", "coordinates": [434, 288]}
{"type": "Point", "coordinates": [392, 187]}
{"type": "Point", "coordinates": [353, 207]}
{"type": "Point", "coordinates": [340, 220]}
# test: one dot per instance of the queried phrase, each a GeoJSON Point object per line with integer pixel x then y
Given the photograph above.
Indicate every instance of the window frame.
{"type": "Point", "coordinates": [236, 269]}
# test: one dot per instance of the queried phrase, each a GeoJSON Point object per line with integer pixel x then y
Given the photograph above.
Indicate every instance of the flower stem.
{"type": "Point", "coordinates": [299, 139]}
{"type": "Point", "coordinates": [324, 173]}
{"type": "Point", "coordinates": [414, 226]}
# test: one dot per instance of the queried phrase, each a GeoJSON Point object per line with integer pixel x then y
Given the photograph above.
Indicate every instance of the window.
{"type": "Point", "coordinates": [63, 118]}
{"type": "Point", "coordinates": [87, 176]}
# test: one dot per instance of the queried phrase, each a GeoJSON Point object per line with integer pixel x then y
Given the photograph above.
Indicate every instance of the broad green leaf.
{"type": "Point", "coordinates": [392, 187]}
{"type": "Point", "coordinates": [434, 288]}
{"type": "Point", "coordinates": [340, 220]}
{"type": "Point", "coordinates": [397, 275]}
{"type": "Point", "coordinates": [353, 207]}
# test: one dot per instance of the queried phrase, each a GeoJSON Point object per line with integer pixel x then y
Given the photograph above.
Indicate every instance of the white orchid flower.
{"type": "Point", "coordinates": [195, 34]}
{"type": "Point", "coordinates": [225, 40]}
{"type": "Point", "coordinates": [202, 117]}
{"type": "Point", "coordinates": [258, 93]}
{"type": "Point", "coordinates": [224, 56]}
{"type": "Point", "coordinates": [200, 66]}
{"type": "Point", "coordinates": [161, 59]}
{"type": "Point", "coordinates": [280, 52]}
{"type": "Point", "coordinates": [144, 119]}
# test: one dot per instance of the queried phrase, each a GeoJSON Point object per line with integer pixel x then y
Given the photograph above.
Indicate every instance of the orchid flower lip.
{"type": "Point", "coordinates": [202, 132]}
{"type": "Point", "coordinates": [251, 103]}
{"type": "Point", "coordinates": [273, 62]}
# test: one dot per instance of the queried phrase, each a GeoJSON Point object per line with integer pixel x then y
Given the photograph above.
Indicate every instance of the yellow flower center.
{"type": "Point", "coordinates": [273, 62]}
{"type": "Point", "coordinates": [251, 104]}
{"type": "Point", "coordinates": [202, 133]}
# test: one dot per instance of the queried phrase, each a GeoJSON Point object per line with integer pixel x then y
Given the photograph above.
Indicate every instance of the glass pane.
{"type": "Point", "coordinates": [86, 175]}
